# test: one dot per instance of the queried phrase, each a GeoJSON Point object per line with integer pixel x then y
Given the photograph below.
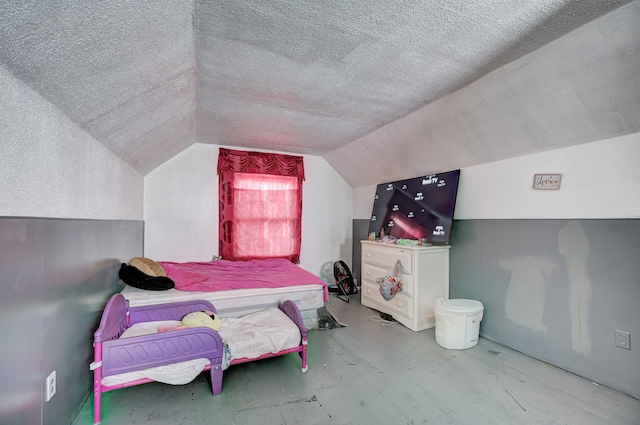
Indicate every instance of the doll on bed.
{"type": "Point", "coordinates": [198, 318]}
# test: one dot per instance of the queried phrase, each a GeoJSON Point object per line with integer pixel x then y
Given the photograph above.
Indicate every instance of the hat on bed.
{"type": "Point", "coordinates": [134, 277]}
{"type": "Point", "coordinates": [147, 266]}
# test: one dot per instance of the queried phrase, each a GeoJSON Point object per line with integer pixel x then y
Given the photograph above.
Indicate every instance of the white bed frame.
{"type": "Point", "coordinates": [239, 302]}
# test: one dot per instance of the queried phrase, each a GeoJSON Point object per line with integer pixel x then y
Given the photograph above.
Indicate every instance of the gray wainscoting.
{"type": "Point", "coordinates": [360, 233]}
{"type": "Point", "coordinates": [555, 290]}
{"type": "Point", "coordinates": [55, 278]}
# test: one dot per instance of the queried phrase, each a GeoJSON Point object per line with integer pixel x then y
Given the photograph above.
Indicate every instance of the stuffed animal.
{"type": "Point", "coordinates": [198, 318]}
{"type": "Point", "coordinates": [202, 318]}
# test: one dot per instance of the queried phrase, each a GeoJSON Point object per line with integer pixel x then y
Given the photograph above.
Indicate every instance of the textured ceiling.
{"type": "Point", "coordinates": [353, 81]}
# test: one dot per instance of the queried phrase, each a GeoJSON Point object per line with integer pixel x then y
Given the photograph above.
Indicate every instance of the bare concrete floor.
{"type": "Point", "coordinates": [370, 373]}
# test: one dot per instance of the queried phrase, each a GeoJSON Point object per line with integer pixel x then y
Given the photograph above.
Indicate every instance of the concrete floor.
{"type": "Point", "coordinates": [371, 373]}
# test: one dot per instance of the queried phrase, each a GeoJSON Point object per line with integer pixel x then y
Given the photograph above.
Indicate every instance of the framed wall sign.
{"type": "Point", "coordinates": [547, 181]}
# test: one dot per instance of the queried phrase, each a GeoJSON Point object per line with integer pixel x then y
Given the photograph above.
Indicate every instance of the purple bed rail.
{"type": "Point", "coordinates": [291, 310]}
{"type": "Point", "coordinates": [114, 356]}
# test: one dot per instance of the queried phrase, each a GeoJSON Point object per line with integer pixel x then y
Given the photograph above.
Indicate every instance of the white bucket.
{"type": "Point", "coordinates": [458, 323]}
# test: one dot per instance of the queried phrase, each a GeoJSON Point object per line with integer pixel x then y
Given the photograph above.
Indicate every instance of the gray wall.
{"type": "Point", "coordinates": [556, 290]}
{"type": "Point", "coordinates": [360, 233]}
{"type": "Point", "coordinates": [55, 277]}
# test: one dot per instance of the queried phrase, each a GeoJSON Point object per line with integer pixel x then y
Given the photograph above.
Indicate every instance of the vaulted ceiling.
{"type": "Point", "coordinates": [381, 89]}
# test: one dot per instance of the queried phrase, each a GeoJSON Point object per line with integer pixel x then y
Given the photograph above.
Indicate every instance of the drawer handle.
{"type": "Point", "coordinates": [368, 273]}
{"type": "Point", "coordinates": [368, 255]}
{"type": "Point", "coordinates": [399, 304]}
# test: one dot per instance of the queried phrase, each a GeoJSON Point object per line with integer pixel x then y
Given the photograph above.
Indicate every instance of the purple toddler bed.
{"type": "Point", "coordinates": [116, 356]}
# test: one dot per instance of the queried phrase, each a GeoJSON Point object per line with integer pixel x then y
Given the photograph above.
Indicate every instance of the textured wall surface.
{"type": "Point", "coordinates": [580, 88]}
{"type": "Point", "coordinates": [122, 71]}
{"type": "Point", "coordinates": [55, 278]}
{"type": "Point", "coordinates": [50, 167]}
{"type": "Point", "coordinates": [331, 78]}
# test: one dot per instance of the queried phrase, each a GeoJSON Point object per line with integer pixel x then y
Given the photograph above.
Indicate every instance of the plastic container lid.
{"type": "Point", "coordinates": [459, 305]}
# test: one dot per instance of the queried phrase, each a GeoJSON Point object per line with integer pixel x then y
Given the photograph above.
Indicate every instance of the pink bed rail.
{"type": "Point", "coordinates": [114, 356]}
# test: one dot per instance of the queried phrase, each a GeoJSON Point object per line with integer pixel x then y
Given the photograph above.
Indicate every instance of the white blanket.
{"type": "Point", "coordinates": [250, 336]}
{"type": "Point", "coordinates": [255, 334]}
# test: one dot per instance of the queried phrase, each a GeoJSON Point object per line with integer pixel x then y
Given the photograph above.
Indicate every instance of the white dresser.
{"type": "Point", "coordinates": [425, 279]}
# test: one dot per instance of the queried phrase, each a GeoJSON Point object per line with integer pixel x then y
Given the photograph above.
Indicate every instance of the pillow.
{"type": "Point", "coordinates": [134, 277]}
{"type": "Point", "coordinates": [147, 266]}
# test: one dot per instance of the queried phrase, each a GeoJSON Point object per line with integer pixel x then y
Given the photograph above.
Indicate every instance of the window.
{"type": "Point", "coordinates": [260, 205]}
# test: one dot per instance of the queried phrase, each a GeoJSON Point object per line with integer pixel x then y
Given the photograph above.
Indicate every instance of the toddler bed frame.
{"type": "Point", "coordinates": [113, 356]}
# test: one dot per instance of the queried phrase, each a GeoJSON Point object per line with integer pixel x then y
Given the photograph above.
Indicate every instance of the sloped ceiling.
{"type": "Point", "coordinates": [381, 89]}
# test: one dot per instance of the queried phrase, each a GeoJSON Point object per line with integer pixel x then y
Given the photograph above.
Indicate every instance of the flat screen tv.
{"type": "Point", "coordinates": [417, 208]}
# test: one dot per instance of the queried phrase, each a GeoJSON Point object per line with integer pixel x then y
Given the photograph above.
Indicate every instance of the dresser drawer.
{"type": "Point", "coordinates": [386, 256]}
{"type": "Point", "coordinates": [372, 272]}
{"type": "Point", "coordinates": [400, 304]}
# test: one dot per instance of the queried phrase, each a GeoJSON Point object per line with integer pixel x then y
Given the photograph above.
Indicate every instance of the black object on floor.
{"type": "Point", "coordinates": [326, 320]}
{"type": "Point", "coordinates": [386, 316]}
{"type": "Point", "coordinates": [344, 281]}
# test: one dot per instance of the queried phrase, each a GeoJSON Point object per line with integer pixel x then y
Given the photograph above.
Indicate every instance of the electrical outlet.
{"type": "Point", "coordinates": [623, 340]}
{"type": "Point", "coordinates": [51, 385]}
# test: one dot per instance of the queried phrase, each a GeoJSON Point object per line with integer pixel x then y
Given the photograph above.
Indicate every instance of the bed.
{"type": "Point", "coordinates": [238, 288]}
{"type": "Point", "coordinates": [130, 350]}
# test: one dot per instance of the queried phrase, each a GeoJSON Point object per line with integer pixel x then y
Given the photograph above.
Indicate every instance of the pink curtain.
{"type": "Point", "coordinates": [260, 207]}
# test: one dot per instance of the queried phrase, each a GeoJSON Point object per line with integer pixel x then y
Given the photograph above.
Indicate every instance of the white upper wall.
{"type": "Point", "coordinates": [49, 167]}
{"type": "Point", "coordinates": [599, 180]}
{"type": "Point", "coordinates": [181, 210]}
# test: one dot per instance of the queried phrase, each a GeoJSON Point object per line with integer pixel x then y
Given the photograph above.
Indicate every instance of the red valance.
{"type": "Point", "coordinates": [260, 163]}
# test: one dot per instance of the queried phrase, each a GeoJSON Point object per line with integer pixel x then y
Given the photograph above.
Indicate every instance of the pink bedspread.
{"type": "Point", "coordinates": [221, 275]}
